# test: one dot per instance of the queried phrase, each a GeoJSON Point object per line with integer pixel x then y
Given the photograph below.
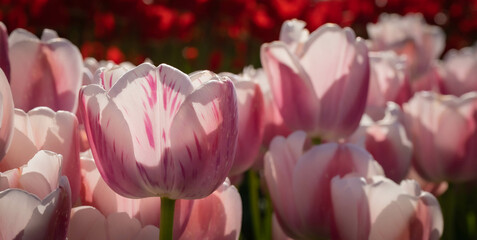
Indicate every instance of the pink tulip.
{"type": "Point", "coordinates": [6, 114]}
{"type": "Point", "coordinates": [273, 120]}
{"type": "Point", "coordinates": [388, 82]}
{"type": "Point", "coordinates": [88, 223]}
{"type": "Point", "coordinates": [97, 193]}
{"type": "Point", "coordinates": [462, 68]}
{"type": "Point", "coordinates": [25, 216]}
{"type": "Point", "coordinates": [43, 129]}
{"type": "Point", "coordinates": [222, 209]}
{"type": "Point", "coordinates": [250, 107]}
{"type": "Point", "coordinates": [157, 132]}
{"type": "Point", "coordinates": [106, 76]}
{"type": "Point", "coordinates": [379, 208]}
{"type": "Point", "coordinates": [218, 216]}
{"type": "Point", "coordinates": [410, 36]}
{"type": "Point", "coordinates": [40, 176]}
{"type": "Point", "coordinates": [44, 72]}
{"type": "Point", "coordinates": [443, 130]}
{"type": "Point", "coordinates": [387, 141]}
{"type": "Point", "coordinates": [4, 61]}
{"type": "Point", "coordinates": [109, 75]}
{"type": "Point", "coordinates": [319, 85]}
{"type": "Point", "coordinates": [299, 182]}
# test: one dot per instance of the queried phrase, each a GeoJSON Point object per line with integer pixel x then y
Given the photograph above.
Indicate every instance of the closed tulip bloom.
{"type": "Point", "coordinates": [387, 141]}
{"type": "Point", "coordinates": [443, 130]}
{"type": "Point", "coordinates": [44, 72]}
{"type": "Point", "coordinates": [157, 132]}
{"type": "Point", "coordinates": [388, 82]}
{"type": "Point", "coordinates": [379, 208]}
{"type": "Point", "coordinates": [88, 223]}
{"type": "Point", "coordinates": [299, 182]}
{"type": "Point", "coordinates": [25, 216]}
{"type": "Point", "coordinates": [319, 85]}
{"type": "Point", "coordinates": [462, 66]}
{"type": "Point", "coordinates": [250, 107]}
{"type": "Point", "coordinates": [410, 36]}
{"type": "Point", "coordinates": [43, 129]}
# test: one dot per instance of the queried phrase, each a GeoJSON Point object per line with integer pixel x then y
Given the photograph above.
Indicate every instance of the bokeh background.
{"type": "Point", "coordinates": [220, 35]}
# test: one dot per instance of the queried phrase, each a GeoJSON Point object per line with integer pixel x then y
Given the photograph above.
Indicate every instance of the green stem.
{"type": "Point", "coordinates": [167, 218]}
{"type": "Point", "coordinates": [316, 140]}
{"type": "Point", "coordinates": [253, 186]}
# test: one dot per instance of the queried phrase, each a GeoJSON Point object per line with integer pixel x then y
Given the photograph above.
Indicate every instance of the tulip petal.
{"type": "Point", "coordinates": [278, 171]}
{"type": "Point", "coordinates": [288, 78]}
{"type": "Point", "coordinates": [218, 216]}
{"type": "Point", "coordinates": [42, 174]}
{"type": "Point", "coordinates": [203, 137]}
{"type": "Point", "coordinates": [113, 153]}
{"type": "Point", "coordinates": [44, 73]}
{"type": "Point", "coordinates": [107, 77]}
{"type": "Point", "coordinates": [87, 223]}
{"type": "Point", "coordinates": [6, 114]}
{"type": "Point", "coordinates": [350, 206]}
{"type": "Point", "coordinates": [313, 173]}
{"type": "Point", "coordinates": [17, 207]}
{"type": "Point", "coordinates": [338, 66]}
{"type": "Point", "coordinates": [122, 227]}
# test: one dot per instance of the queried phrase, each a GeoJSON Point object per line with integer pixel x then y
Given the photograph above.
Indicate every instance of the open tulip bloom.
{"type": "Point", "coordinates": [159, 133]}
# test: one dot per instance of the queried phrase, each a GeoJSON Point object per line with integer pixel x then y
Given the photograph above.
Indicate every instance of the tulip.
{"type": "Point", "coordinates": [319, 85]}
{"type": "Point", "coordinates": [410, 36]}
{"type": "Point", "coordinates": [159, 132]}
{"type": "Point", "coordinates": [388, 82]}
{"type": "Point", "coordinates": [40, 176]}
{"type": "Point", "coordinates": [43, 129]}
{"type": "Point", "coordinates": [443, 130]}
{"type": "Point", "coordinates": [378, 208]}
{"type": "Point", "coordinates": [44, 72]}
{"type": "Point", "coordinates": [299, 182]}
{"type": "Point", "coordinates": [175, 138]}
{"type": "Point", "coordinates": [462, 68]}
{"type": "Point", "coordinates": [25, 216]}
{"type": "Point", "coordinates": [250, 109]}
{"type": "Point", "coordinates": [273, 120]}
{"type": "Point", "coordinates": [6, 114]}
{"type": "Point", "coordinates": [88, 223]}
{"type": "Point", "coordinates": [218, 216]}
{"type": "Point", "coordinates": [387, 141]}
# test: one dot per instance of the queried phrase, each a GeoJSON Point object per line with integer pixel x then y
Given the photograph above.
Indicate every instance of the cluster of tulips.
{"type": "Point", "coordinates": [353, 138]}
